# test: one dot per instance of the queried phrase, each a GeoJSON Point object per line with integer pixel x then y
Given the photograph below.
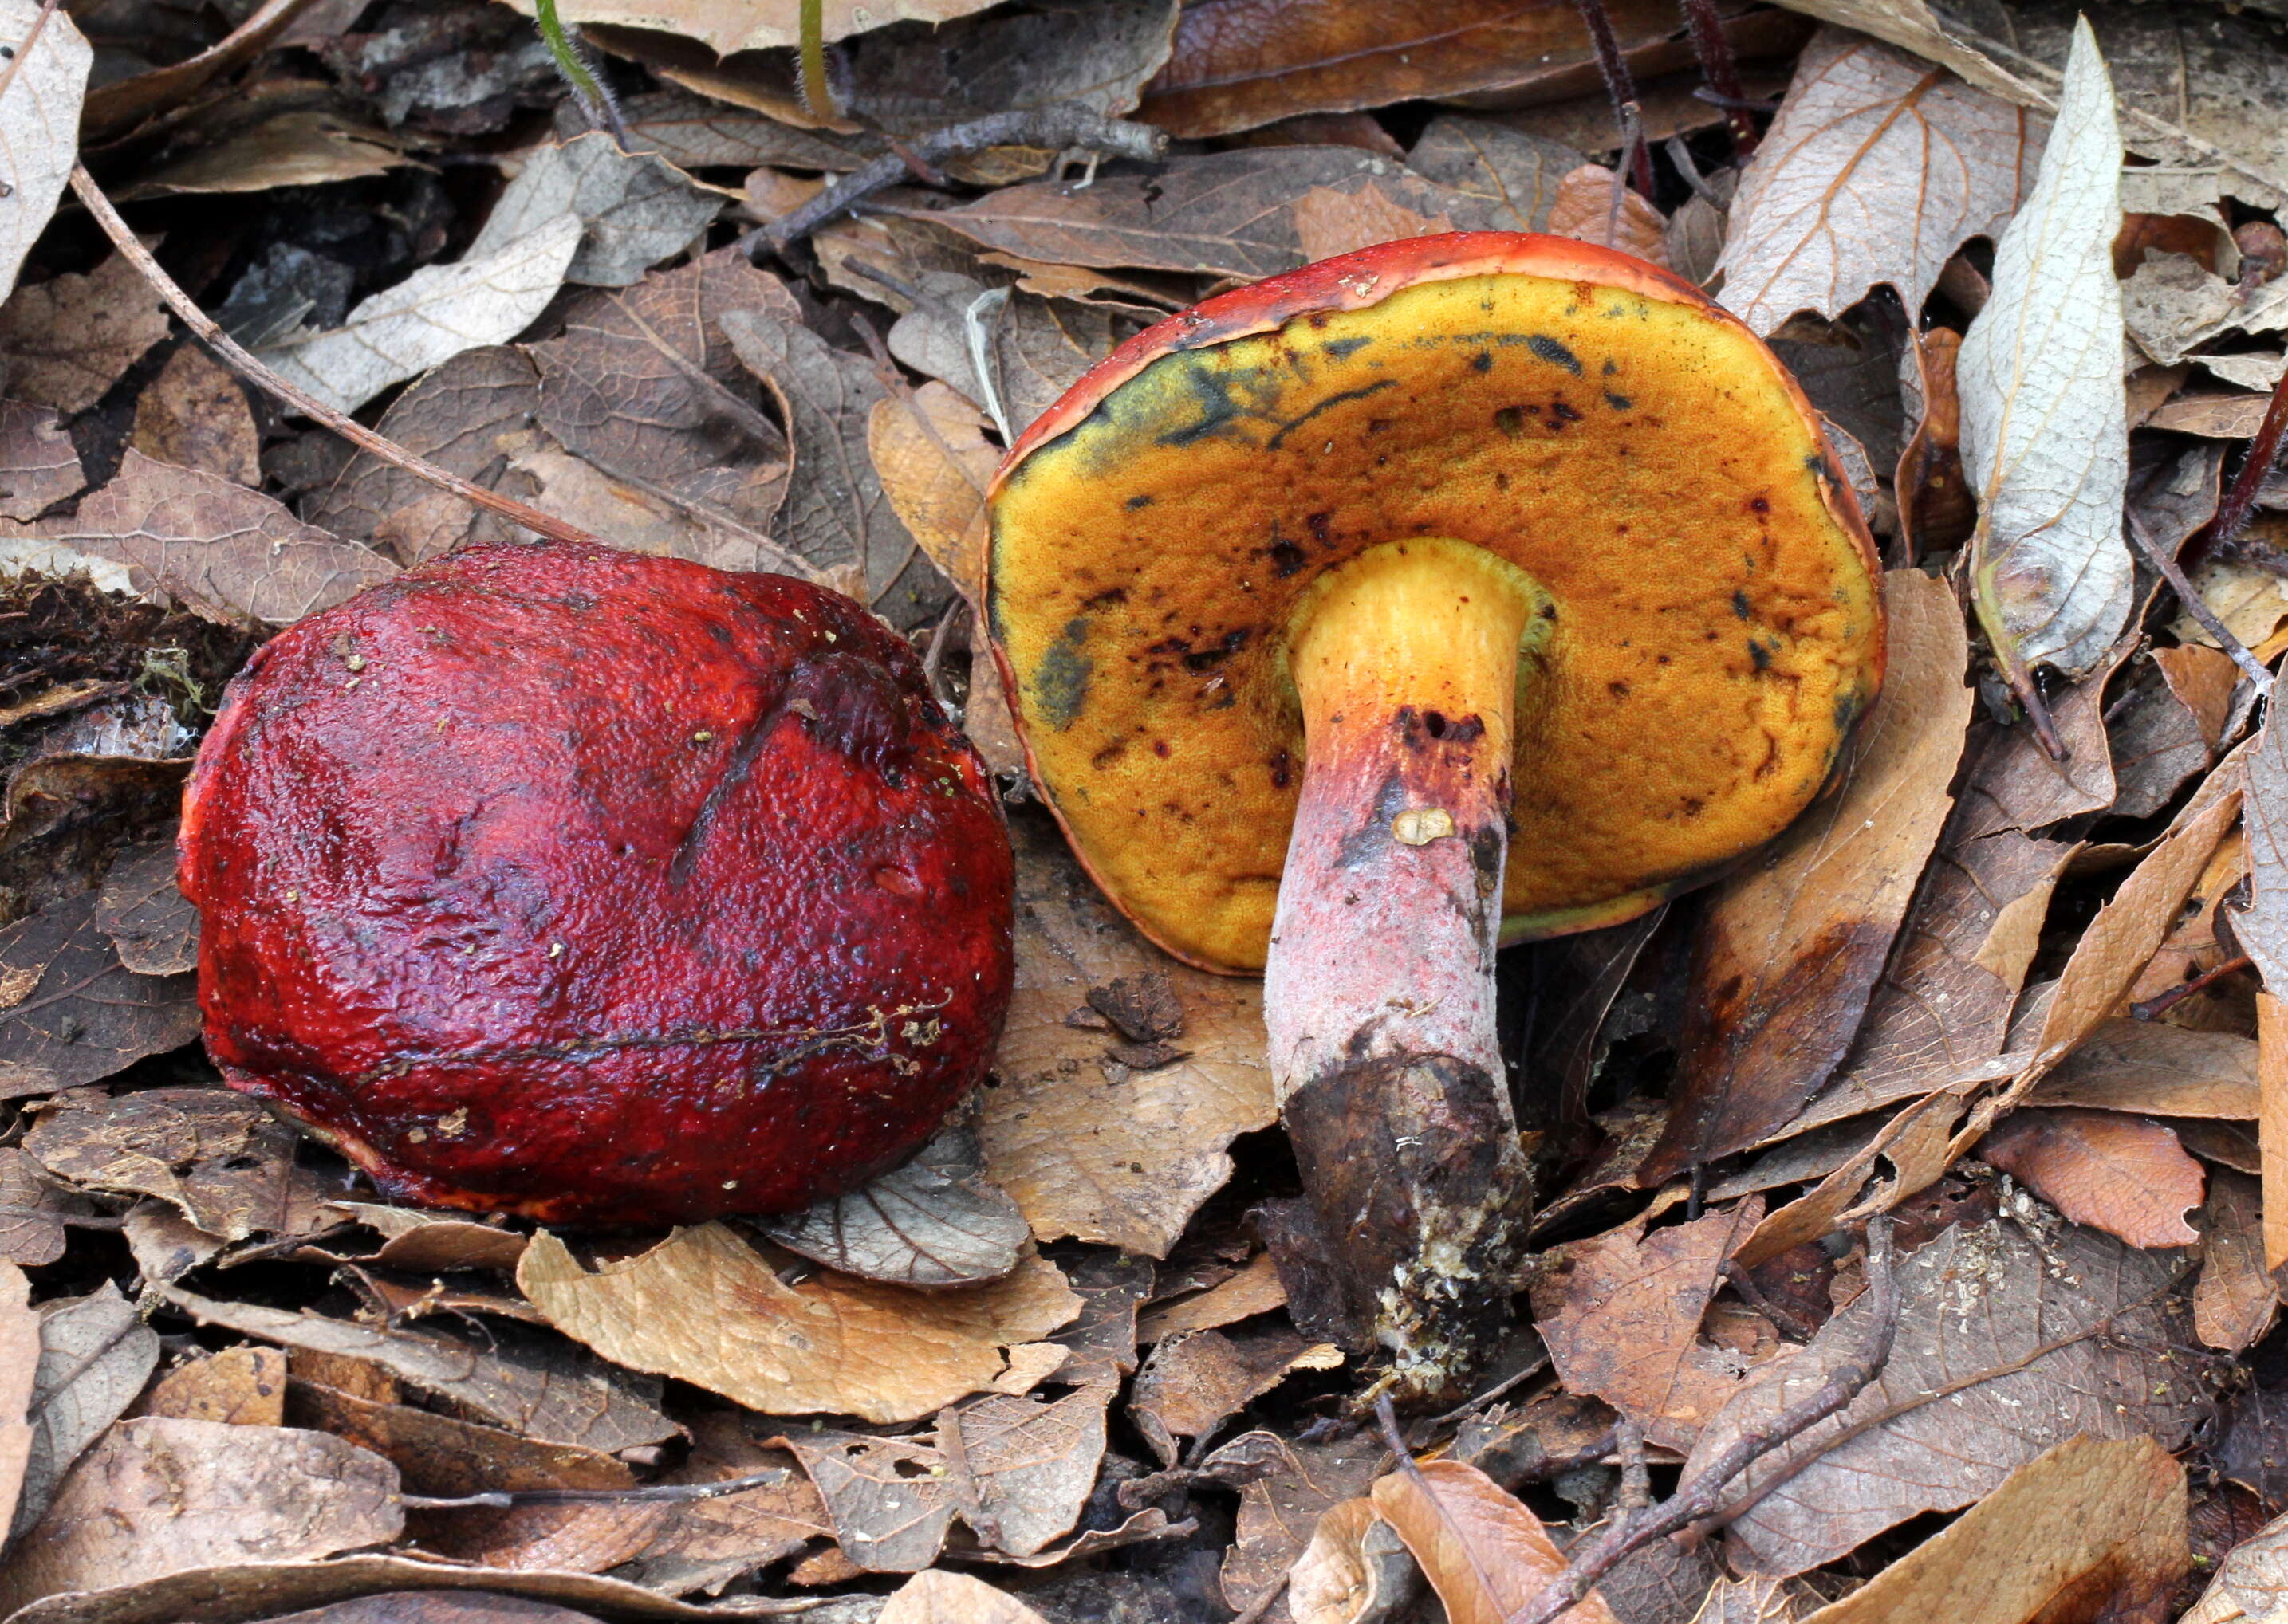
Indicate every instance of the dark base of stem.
{"type": "Point", "coordinates": [1421, 1196]}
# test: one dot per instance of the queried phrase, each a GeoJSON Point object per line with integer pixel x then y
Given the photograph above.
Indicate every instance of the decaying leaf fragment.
{"type": "Point", "coordinates": [705, 1307]}
{"type": "Point", "coordinates": [222, 1159]}
{"type": "Point", "coordinates": [2045, 428]}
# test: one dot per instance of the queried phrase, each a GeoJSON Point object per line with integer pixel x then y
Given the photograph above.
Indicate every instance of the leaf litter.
{"type": "Point", "coordinates": [1068, 1361]}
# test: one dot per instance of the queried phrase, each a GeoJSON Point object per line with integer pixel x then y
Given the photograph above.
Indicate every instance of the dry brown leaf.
{"type": "Point", "coordinates": [942, 1596]}
{"type": "Point", "coordinates": [1036, 347]}
{"type": "Point", "coordinates": [437, 1454]}
{"type": "Point", "coordinates": [1485, 1554]}
{"type": "Point", "coordinates": [706, 1543]}
{"type": "Point", "coordinates": [726, 25]}
{"type": "Point", "coordinates": [1595, 205]}
{"type": "Point", "coordinates": [71, 338]}
{"type": "Point", "coordinates": [1090, 1148]}
{"type": "Point", "coordinates": [1096, 53]}
{"type": "Point", "coordinates": [2272, 1124]}
{"type": "Point", "coordinates": [1878, 169]}
{"type": "Point", "coordinates": [2261, 928]}
{"type": "Point", "coordinates": [2165, 729]}
{"type": "Point", "coordinates": [95, 1355]}
{"type": "Point", "coordinates": [1997, 1357]}
{"type": "Point", "coordinates": [2126, 1175]}
{"type": "Point", "coordinates": [931, 457]}
{"type": "Point", "coordinates": [1512, 176]}
{"type": "Point", "coordinates": [2155, 1067]}
{"type": "Point", "coordinates": [432, 1242]}
{"type": "Point", "coordinates": [1284, 1489]}
{"type": "Point", "coordinates": [1243, 63]}
{"type": "Point", "coordinates": [19, 1359]}
{"type": "Point", "coordinates": [1330, 222]}
{"type": "Point", "coordinates": [195, 415]}
{"type": "Point", "coordinates": [1224, 214]}
{"type": "Point", "coordinates": [1793, 945]}
{"type": "Point", "coordinates": [33, 1211]}
{"type": "Point", "coordinates": [1354, 1567]}
{"type": "Point", "coordinates": [145, 915]}
{"type": "Point", "coordinates": [704, 1307]}
{"type": "Point", "coordinates": [1253, 1290]}
{"type": "Point", "coordinates": [1193, 1383]}
{"type": "Point", "coordinates": [301, 147]}
{"type": "Point", "coordinates": [545, 1391]}
{"type": "Point", "coordinates": [228, 552]}
{"type": "Point", "coordinates": [238, 1386]}
{"type": "Point", "coordinates": [890, 1499]}
{"type": "Point", "coordinates": [1621, 1316]}
{"type": "Point", "coordinates": [158, 1496]}
{"type": "Point", "coordinates": [2235, 1301]}
{"type": "Point", "coordinates": [39, 466]}
{"type": "Point", "coordinates": [934, 1222]}
{"type": "Point", "coordinates": [2093, 1529]}
{"type": "Point", "coordinates": [49, 61]}
{"type": "Point", "coordinates": [226, 1162]}
{"type": "Point", "coordinates": [2250, 1582]}
{"type": "Point", "coordinates": [634, 210]}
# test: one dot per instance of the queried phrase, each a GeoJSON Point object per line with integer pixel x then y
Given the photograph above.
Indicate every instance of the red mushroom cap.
{"type": "Point", "coordinates": [597, 887]}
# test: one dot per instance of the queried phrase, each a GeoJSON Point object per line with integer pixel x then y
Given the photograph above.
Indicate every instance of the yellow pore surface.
{"type": "Point", "coordinates": [1715, 630]}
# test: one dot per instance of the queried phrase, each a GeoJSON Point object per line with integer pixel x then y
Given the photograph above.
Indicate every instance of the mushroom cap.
{"type": "Point", "coordinates": [596, 887]}
{"type": "Point", "coordinates": [1595, 421]}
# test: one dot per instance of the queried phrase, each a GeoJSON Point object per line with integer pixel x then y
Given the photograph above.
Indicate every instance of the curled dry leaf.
{"type": "Point", "coordinates": [1284, 1488]}
{"type": "Point", "coordinates": [300, 146]}
{"type": "Point", "coordinates": [705, 1307]}
{"type": "Point", "coordinates": [438, 1453]}
{"type": "Point", "coordinates": [70, 1012]}
{"type": "Point", "coordinates": [1089, 1147]}
{"type": "Point", "coordinates": [1793, 945]}
{"type": "Point", "coordinates": [1621, 1316]}
{"type": "Point", "coordinates": [222, 1159]}
{"type": "Point", "coordinates": [95, 1355]}
{"type": "Point", "coordinates": [429, 318]}
{"type": "Point", "coordinates": [39, 466]}
{"type": "Point", "coordinates": [634, 210]}
{"type": "Point", "coordinates": [46, 84]}
{"type": "Point", "coordinates": [1354, 1568]}
{"type": "Point", "coordinates": [1330, 222]}
{"type": "Point", "coordinates": [2008, 1343]}
{"type": "Point", "coordinates": [158, 1496]}
{"type": "Point", "coordinates": [2092, 1528]}
{"type": "Point", "coordinates": [936, 1221]}
{"type": "Point", "coordinates": [1193, 1383]}
{"type": "Point", "coordinates": [433, 1242]}
{"type": "Point", "coordinates": [1879, 167]}
{"type": "Point", "coordinates": [545, 1391]}
{"type": "Point", "coordinates": [1485, 1554]}
{"type": "Point", "coordinates": [71, 338]}
{"type": "Point", "coordinates": [2124, 1175]}
{"type": "Point", "coordinates": [227, 552]}
{"type": "Point", "coordinates": [2044, 435]}
{"type": "Point", "coordinates": [2250, 1582]}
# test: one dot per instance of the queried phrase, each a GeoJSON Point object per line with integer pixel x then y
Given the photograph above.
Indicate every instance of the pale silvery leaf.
{"type": "Point", "coordinates": [2044, 430]}
{"type": "Point", "coordinates": [2261, 928]}
{"type": "Point", "coordinates": [429, 318]}
{"type": "Point", "coordinates": [1877, 167]}
{"type": "Point", "coordinates": [634, 210]}
{"type": "Point", "coordinates": [39, 125]}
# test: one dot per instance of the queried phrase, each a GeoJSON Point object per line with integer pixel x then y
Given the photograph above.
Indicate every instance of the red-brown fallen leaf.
{"type": "Point", "coordinates": [1484, 1553]}
{"type": "Point", "coordinates": [2235, 1301]}
{"type": "Point", "coordinates": [1594, 205]}
{"type": "Point", "coordinates": [19, 1357]}
{"type": "Point", "coordinates": [2124, 1175]}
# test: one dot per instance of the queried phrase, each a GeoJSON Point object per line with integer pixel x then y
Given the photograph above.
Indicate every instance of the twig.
{"type": "Point", "coordinates": [246, 366]}
{"type": "Point", "coordinates": [674, 1492]}
{"type": "Point", "coordinates": [1723, 75]}
{"type": "Point", "coordinates": [2233, 512]}
{"type": "Point", "coordinates": [1631, 144]}
{"type": "Point", "coordinates": [593, 97]}
{"type": "Point", "coordinates": [1633, 1531]}
{"type": "Point", "coordinates": [1636, 1478]}
{"type": "Point", "coordinates": [1680, 155]}
{"type": "Point", "coordinates": [2161, 1003]}
{"type": "Point", "coordinates": [1757, 1298]}
{"type": "Point", "coordinates": [1065, 124]}
{"type": "Point", "coordinates": [984, 364]}
{"type": "Point", "coordinates": [2190, 596]}
{"type": "Point", "coordinates": [1261, 1605]}
{"type": "Point", "coordinates": [1533, 1367]}
{"type": "Point", "coordinates": [1619, 84]}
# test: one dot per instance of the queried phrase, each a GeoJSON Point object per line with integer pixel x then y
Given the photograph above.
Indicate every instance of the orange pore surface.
{"type": "Point", "coordinates": [1638, 453]}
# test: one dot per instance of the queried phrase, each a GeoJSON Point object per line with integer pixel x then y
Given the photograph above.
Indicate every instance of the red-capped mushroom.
{"type": "Point", "coordinates": [595, 887]}
{"type": "Point", "coordinates": [1460, 590]}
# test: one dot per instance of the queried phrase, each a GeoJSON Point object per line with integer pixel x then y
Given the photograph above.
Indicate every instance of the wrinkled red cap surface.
{"type": "Point", "coordinates": [598, 887]}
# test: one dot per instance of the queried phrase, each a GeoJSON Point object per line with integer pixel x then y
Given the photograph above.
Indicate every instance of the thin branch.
{"type": "Point", "coordinates": [255, 371]}
{"type": "Point", "coordinates": [2233, 512]}
{"type": "Point", "coordinates": [1533, 1367]}
{"type": "Point", "coordinates": [1723, 75]}
{"type": "Point", "coordinates": [1066, 125]}
{"type": "Point", "coordinates": [1619, 84]}
{"type": "Point", "coordinates": [2161, 1003]}
{"type": "Point", "coordinates": [2190, 596]}
{"type": "Point", "coordinates": [1633, 1531]}
{"type": "Point", "coordinates": [653, 1494]}
{"type": "Point", "coordinates": [1757, 1298]}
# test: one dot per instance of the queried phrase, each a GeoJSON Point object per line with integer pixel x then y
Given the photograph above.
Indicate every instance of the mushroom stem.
{"type": "Point", "coordinates": [1379, 986]}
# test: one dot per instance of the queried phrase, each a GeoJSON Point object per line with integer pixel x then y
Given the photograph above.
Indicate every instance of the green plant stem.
{"type": "Point", "coordinates": [588, 88]}
{"type": "Point", "coordinates": [817, 94]}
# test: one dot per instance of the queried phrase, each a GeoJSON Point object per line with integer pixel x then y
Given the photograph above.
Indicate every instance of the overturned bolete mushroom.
{"type": "Point", "coordinates": [1458, 591]}
{"type": "Point", "coordinates": [565, 881]}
